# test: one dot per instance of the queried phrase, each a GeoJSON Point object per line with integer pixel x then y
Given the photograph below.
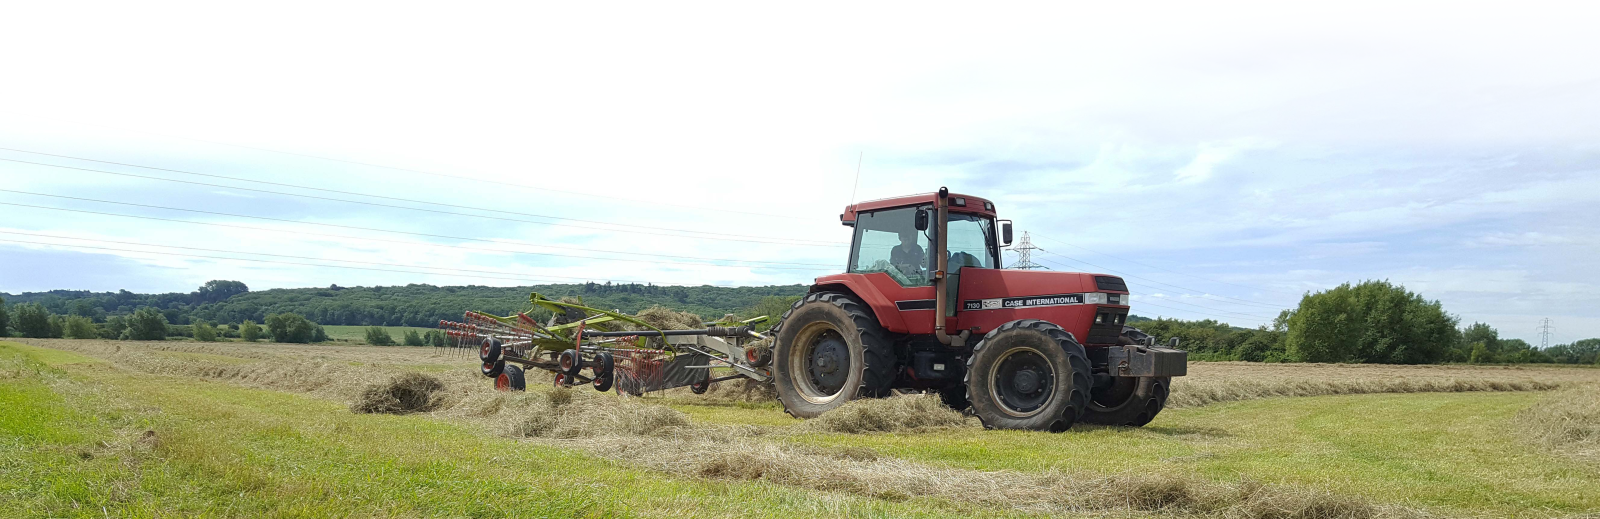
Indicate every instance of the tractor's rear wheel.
{"type": "Point", "coordinates": [1028, 374]}
{"type": "Point", "coordinates": [829, 350]}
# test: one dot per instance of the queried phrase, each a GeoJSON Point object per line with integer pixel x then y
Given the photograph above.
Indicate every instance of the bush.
{"type": "Point", "coordinates": [435, 338]}
{"type": "Point", "coordinates": [80, 327]}
{"type": "Point", "coordinates": [289, 327]}
{"type": "Point", "coordinates": [146, 324]}
{"type": "Point", "coordinates": [33, 321]}
{"type": "Point", "coordinates": [205, 332]}
{"type": "Point", "coordinates": [113, 327]}
{"type": "Point", "coordinates": [378, 336]}
{"type": "Point", "coordinates": [412, 338]}
{"type": "Point", "coordinates": [1370, 322]}
{"type": "Point", "coordinates": [5, 319]}
{"type": "Point", "coordinates": [250, 331]}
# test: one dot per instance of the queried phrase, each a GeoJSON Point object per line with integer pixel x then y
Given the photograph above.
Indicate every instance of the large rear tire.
{"type": "Point", "coordinates": [829, 350]}
{"type": "Point", "coordinates": [1028, 374]}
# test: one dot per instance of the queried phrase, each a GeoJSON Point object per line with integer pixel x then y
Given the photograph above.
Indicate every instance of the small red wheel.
{"type": "Point", "coordinates": [602, 384]}
{"type": "Point", "coordinates": [561, 380]}
{"type": "Point", "coordinates": [571, 362]}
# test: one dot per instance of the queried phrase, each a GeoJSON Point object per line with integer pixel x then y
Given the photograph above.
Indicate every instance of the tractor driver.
{"type": "Point", "coordinates": [908, 256]}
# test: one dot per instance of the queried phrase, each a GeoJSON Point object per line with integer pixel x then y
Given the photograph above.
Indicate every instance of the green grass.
{"type": "Point", "coordinates": [358, 334]}
{"type": "Point", "coordinates": [76, 445]}
{"type": "Point", "coordinates": [73, 441]}
{"type": "Point", "coordinates": [1458, 451]}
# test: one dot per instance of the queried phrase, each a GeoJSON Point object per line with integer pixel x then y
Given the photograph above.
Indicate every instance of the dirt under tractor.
{"type": "Point", "coordinates": [924, 305]}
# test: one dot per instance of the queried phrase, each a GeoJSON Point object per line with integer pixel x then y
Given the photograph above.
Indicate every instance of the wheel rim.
{"type": "Point", "coordinates": [1113, 397]}
{"type": "Point", "coordinates": [484, 351]}
{"type": "Point", "coordinates": [567, 360]}
{"type": "Point", "coordinates": [821, 365]}
{"type": "Point", "coordinates": [502, 382]}
{"type": "Point", "coordinates": [1021, 382]}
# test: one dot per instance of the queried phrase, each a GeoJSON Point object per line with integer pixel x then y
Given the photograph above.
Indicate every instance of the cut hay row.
{"type": "Point", "coordinates": [1566, 421]}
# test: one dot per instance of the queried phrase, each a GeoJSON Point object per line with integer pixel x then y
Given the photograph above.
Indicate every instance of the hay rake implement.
{"type": "Point", "coordinates": [582, 345]}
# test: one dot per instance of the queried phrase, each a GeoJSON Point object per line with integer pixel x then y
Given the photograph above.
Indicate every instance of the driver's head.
{"type": "Point", "coordinates": [908, 238]}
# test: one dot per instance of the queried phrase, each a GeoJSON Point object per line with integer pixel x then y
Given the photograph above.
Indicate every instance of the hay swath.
{"type": "Point", "coordinates": [584, 345]}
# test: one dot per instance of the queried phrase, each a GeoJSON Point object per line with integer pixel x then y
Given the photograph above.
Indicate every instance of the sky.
{"type": "Point", "coordinates": [1226, 158]}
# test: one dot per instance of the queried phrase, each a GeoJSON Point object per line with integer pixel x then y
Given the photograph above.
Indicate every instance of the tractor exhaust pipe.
{"type": "Point", "coordinates": [941, 283]}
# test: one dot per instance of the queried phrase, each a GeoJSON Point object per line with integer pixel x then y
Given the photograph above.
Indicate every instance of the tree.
{"type": "Point", "coordinates": [250, 331]}
{"type": "Point", "coordinates": [205, 332]}
{"type": "Point", "coordinates": [412, 338]}
{"type": "Point", "coordinates": [5, 319]}
{"type": "Point", "coordinates": [146, 324]}
{"type": "Point", "coordinates": [33, 321]}
{"type": "Point", "coordinates": [378, 336]}
{"type": "Point", "coordinates": [291, 327]}
{"type": "Point", "coordinates": [435, 338]}
{"type": "Point", "coordinates": [218, 290]}
{"type": "Point", "coordinates": [114, 327]}
{"type": "Point", "coordinates": [58, 326]}
{"type": "Point", "coordinates": [1372, 322]}
{"type": "Point", "coordinates": [80, 327]}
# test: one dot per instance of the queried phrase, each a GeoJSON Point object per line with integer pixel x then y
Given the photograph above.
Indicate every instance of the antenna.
{"type": "Point", "coordinates": [1025, 254]}
{"type": "Point", "coordinates": [858, 178]}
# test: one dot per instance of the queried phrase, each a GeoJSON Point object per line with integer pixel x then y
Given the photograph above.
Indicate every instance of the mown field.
{"type": "Point", "coordinates": [358, 334]}
{"type": "Point", "coordinates": [125, 429]}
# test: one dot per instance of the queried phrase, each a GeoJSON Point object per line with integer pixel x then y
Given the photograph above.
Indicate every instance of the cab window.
{"type": "Point", "coordinates": [888, 241]}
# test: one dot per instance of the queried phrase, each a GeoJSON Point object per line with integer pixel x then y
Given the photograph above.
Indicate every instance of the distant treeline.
{"type": "Point", "coordinates": [1370, 322]}
{"type": "Point", "coordinates": [410, 305]}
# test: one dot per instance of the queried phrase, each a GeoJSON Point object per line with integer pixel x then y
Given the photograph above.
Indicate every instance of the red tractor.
{"type": "Point", "coordinates": [925, 305]}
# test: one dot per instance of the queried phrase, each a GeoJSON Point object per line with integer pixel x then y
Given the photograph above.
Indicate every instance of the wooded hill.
{"type": "Point", "coordinates": [410, 305]}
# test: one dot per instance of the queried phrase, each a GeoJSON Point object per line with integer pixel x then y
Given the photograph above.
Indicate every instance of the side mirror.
{"type": "Point", "coordinates": [1005, 233]}
{"type": "Point", "coordinates": [1173, 344]}
{"type": "Point", "coordinates": [922, 220]}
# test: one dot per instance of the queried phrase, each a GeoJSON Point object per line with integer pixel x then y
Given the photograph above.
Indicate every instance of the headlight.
{"type": "Point", "coordinates": [1094, 298]}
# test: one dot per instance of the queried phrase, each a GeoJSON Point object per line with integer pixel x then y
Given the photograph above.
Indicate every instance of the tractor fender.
{"type": "Point", "coordinates": [882, 308]}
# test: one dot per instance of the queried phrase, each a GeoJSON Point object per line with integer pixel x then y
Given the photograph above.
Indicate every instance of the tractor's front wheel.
{"type": "Point", "coordinates": [1128, 401]}
{"type": "Point", "coordinates": [829, 350]}
{"type": "Point", "coordinates": [1028, 374]}
{"type": "Point", "coordinates": [1132, 401]}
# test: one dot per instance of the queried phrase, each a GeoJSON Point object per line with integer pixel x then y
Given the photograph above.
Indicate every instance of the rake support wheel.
{"type": "Point", "coordinates": [511, 379]}
{"type": "Point", "coordinates": [490, 350]}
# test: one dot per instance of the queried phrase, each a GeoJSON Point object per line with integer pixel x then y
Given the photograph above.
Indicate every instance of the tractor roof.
{"type": "Point", "coordinates": [974, 205]}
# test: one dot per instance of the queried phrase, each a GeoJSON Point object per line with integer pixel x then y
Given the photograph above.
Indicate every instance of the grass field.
{"type": "Point", "coordinates": [96, 428]}
{"type": "Point", "coordinates": [358, 334]}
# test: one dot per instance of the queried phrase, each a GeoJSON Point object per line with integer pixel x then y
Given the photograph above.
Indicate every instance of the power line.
{"type": "Point", "coordinates": [608, 198]}
{"type": "Point", "coordinates": [1544, 334]}
{"type": "Point", "coordinates": [514, 274]}
{"type": "Point", "coordinates": [1241, 301]}
{"type": "Point", "coordinates": [1136, 285]}
{"type": "Point", "coordinates": [713, 235]}
{"type": "Point", "coordinates": [516, 278]}
{"type": "Point", "coordinates": [301, 233]}
{"type": "Point", "coordinates": [1164, 269]}
{"type": "Point", "coordinates": [1024, 252]}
